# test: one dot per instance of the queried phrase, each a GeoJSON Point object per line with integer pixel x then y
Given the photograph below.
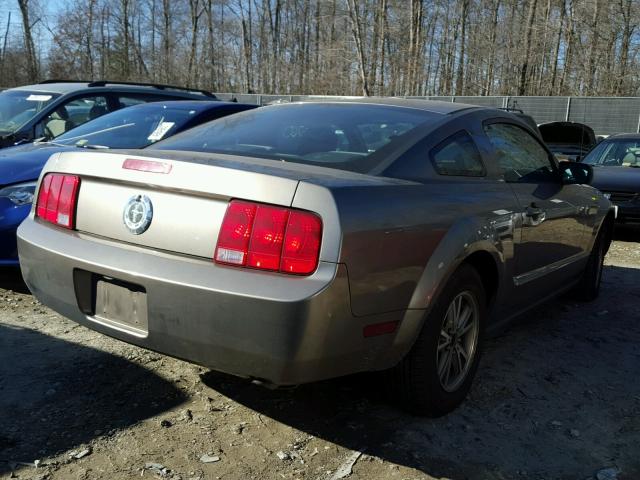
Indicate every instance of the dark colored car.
{"type": "Point", "coordinates": [616, 162]}
{"type": "Point", "coordinates": [133, 127]}
{"type": "Point", "coordinates": [51, 108]}
{"type": "Point", "coordinates": [569, 141]}
{"type": "Point", "coordinates": [303, 241]}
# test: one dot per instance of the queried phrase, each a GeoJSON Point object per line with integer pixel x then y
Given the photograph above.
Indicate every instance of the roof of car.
{"type": "Point", "coordinates": [198, 105]}
{"type": "Point", "coordinates": [64, 87]}
{"type": "Point", "coordinates": [434, 106]}
{"type": "Point", "coordinates": [53, 87]}
{"type": "Point", "coordinates": [631, 136]}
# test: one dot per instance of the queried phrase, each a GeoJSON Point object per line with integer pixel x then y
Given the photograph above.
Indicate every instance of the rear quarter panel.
{"type": "Point", "coordinates": [400, 243]}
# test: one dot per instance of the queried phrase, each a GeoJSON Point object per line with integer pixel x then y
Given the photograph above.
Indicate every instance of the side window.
{"type": "Point", "coordinates": [458, 155]}
{"type": "Point", "coordinates": [520, 157]}
{"type": "Point", "coordinates": [70, 115]}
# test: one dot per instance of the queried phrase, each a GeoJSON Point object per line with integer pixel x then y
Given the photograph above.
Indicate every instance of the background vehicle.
{"type": "Point", "coordinates": [133, 127]}
{"type": "Point", "coordinates": [51, 108]}
{"type": "Point", "coordinates": [569, 141]}
{"type": "Point", "coordinates": [617, 174]}
{"type": "Point", "coordinates": [304, 241]}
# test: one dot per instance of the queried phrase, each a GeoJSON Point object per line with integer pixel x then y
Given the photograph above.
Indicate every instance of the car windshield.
{"type": "Point", "coordinates": [17, 107]}
{"type": "Point", "coordinates": [133, 127]}
{"type": "Point", "coordinates": [615, 153]}
{"type": "Point", "coordinates": [345, 136]}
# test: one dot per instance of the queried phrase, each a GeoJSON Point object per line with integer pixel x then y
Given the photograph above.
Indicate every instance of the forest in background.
{"type": "Point", "coordinates": [333, 47]}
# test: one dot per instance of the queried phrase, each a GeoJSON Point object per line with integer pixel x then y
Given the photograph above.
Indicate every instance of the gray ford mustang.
{"type": "Point", "coordinates": [304, 241]}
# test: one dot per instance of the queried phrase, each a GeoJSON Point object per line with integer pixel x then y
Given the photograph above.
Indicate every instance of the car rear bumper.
{"type": "Point", "coordinates": [276, 328]}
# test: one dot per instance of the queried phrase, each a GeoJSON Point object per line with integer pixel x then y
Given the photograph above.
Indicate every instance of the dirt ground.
{"type": "Point", "coordinates": [557, 396]}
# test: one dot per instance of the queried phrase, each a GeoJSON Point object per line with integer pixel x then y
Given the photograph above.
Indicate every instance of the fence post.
{"type": "Point", "coordinates": [566, 118]}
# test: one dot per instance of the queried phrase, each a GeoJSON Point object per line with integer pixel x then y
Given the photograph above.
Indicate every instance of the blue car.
{"type": "Point", "coordinates": [134, 127]}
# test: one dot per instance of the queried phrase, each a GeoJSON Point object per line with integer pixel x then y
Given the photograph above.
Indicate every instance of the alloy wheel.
{"type": "Point", "coordinates": [458, 340]}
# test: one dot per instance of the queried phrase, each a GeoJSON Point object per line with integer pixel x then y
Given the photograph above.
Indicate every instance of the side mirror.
{"type": "Point", "coordinates": [576, 173]}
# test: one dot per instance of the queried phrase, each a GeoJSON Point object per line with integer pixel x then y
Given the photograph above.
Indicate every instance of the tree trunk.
{"type": "Point", "coordinates": [464, 10]}
{"type": "Point", "coordinates": [356, 31]}
{"type": "Point", "coordinates": [32, 64]}
{"type": "Point", "coordinates": [522, 87]}
{"type": "Point", "coordinates": [556, 55]}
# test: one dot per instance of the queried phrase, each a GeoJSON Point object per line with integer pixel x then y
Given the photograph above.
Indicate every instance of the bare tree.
{"type": "Point", "coordinates": [30, 50]}
{"type": "Point", "coordinates": [368, 47]}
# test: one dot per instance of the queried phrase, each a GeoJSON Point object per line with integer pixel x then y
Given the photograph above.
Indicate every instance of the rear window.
{"type": "Point", "coordinates": [134, 127]}
{"type": "Point", "coordinates": [458, 156]}
{"type": "Point", "coordinates": [343, 136]}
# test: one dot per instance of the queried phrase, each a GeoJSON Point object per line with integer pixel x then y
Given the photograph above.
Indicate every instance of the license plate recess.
{"type": "Point", "coordinates": [113, 302]}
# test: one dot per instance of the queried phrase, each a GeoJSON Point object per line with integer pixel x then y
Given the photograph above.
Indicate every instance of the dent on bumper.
{"type": "Point", "coordinates": [280, 329]}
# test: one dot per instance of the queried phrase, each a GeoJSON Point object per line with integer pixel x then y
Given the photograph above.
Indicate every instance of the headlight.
{"type": "Point", "coordinates": [19, 194]}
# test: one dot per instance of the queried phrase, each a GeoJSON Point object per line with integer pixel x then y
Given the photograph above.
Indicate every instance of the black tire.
{"type": "Point", "coordinates": [416, 382]}
{"type": "Point", "coordinates": [588, 288]}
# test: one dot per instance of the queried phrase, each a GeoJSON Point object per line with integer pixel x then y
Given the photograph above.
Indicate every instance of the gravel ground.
{"type": "Point", "coordinates": [557, 397]}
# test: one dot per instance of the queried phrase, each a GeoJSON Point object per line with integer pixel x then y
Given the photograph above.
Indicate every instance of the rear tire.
{"type": "Point", "coordinates": [436, 375]}
{"type": "Point", "coordinates": [589, 286]}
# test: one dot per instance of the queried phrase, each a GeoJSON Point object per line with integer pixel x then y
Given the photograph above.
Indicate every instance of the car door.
{"type": "Point", "coordinates": [550, 243]}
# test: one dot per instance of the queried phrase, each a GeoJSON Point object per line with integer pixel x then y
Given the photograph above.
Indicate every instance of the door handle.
{"type": "Point", "coordinates": [535, 215]}
{"type": "Point", "coordinates": [533, 211]}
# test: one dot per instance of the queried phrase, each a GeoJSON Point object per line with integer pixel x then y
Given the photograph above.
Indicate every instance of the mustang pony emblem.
{"type": "Point", "coordinates": [137, 214]}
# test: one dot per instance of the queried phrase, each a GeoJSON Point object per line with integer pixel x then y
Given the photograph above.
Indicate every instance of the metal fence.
{"type": "Point", "coordinates": [606, 115]}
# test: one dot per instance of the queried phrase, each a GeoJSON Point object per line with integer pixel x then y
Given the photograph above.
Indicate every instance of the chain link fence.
{"type": "Point", "coordinates": [606, 115]}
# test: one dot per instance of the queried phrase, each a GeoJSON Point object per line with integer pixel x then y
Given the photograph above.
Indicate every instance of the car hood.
{"type": "Point", "coordinates": [616, 179]}
{"type": "Point", "coordinates": [568, 133]}
{"type": "Point", "coordinates": [25, 162]}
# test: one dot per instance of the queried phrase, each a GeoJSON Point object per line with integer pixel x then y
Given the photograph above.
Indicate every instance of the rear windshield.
{"type": "Point", "coordinates": [342, 136]}
{"type": "Point", "coordinates": [133, 127]}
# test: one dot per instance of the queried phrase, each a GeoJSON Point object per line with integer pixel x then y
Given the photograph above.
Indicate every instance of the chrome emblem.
{"type": "Point", "coordinates": [137, 214]}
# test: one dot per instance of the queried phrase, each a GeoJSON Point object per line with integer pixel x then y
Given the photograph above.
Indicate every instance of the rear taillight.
{"type": "Point", "coordinates": [269, 238]}
{"type": "Point", "coordinates": [57, 199]}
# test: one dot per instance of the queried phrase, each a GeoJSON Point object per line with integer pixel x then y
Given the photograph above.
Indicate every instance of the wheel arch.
{"type": "Point", "coordinates": [607, 227]}
{"type": "Point", "coordinates": [486, 266]}
{"type": "Point", "coordinates": [464, 244]}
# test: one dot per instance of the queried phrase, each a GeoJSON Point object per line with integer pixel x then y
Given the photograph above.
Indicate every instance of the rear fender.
{"type": "Point", "coordinates": [461, 241]}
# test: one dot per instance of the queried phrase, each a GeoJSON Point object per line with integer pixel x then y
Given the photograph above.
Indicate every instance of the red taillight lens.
{"type": "Point", "coordinates": [235, 233]}
{"type": "Point", "coordinates": [269, 238]}
{"type": "Point", "coordinates": [57, 199]}
{"type": "Point", "coordinates": [301, 243]}
{"type": "Point", "coordinates": [266, 237]}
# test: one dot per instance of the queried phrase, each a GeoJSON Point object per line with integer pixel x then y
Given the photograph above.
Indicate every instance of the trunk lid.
{"type": "Point", "coordinates": [188, 203]}
{"type": "Point", "coordinates": [616, 179]}
{"type": "Point", "coordinates": [190, 200]}
{"type": "Point", "coordinates": [569, 139]}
